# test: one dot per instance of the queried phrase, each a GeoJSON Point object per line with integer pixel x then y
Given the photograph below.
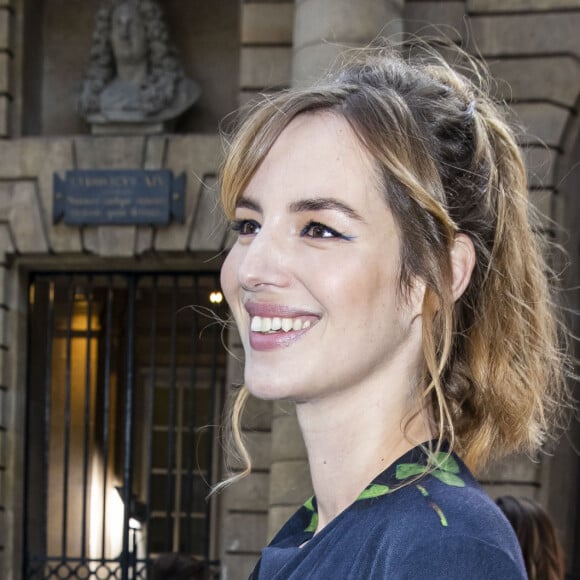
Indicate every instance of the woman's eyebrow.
{"type": "Point", "coordinates": [246, 203]}
{"type": "Point", "coordinates": [325, 203]}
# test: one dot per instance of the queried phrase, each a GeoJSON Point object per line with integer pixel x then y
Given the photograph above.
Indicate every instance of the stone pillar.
{"type": "Point", "coordinates": [290, 484]}
{"type": "Point", "coordinates": [324, 28]}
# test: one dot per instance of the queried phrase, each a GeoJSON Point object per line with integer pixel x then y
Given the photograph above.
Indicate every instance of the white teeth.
{"type": "Point", "coordinates": [266, 324]}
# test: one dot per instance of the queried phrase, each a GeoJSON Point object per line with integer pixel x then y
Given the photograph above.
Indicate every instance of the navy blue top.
{"type": "Point", "coordinates": [439, 525]}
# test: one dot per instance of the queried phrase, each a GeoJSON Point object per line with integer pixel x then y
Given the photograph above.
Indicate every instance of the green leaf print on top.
{"type": "Point", "coordinates": [373, 490]}
{"type": "Point", "coordinates": [445, 470]}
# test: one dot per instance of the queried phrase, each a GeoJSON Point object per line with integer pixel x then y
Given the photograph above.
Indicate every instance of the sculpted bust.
{"type": "Point", "coordinates": [133, 74]}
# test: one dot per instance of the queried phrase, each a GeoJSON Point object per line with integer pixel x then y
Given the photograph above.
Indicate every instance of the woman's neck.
{"type": "Point", "coordinates": [353, 436]}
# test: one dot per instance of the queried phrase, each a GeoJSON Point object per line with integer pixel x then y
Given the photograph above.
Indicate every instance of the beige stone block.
{"type": "Point", "coordinates": [5, 29]}
{"type": "Point", "coordinates": [143, 239]}
{"type": "Point", "coordinates": [6, 245]}
{"type": "Point", "coordinates": [5, 106]}
{"type": "Point", "coordinates": [540, 162]}
{"type": "Point", "coordinates": [248, 98]}
{"type": "Point", "coordinates": [515, 489]}
{"type": "Point", "coordinates": [527, 34]}
{"type": "Point", "coordinates": [4, 362]}
{"type": "Point", "coordinates": [3, 445]}
{"type": "Point", "coordinates": [6, 188]}
{"type": "Point", "coordinates": [3, 413]}
{"type": "Point", "coordinates": [238, 566]}
{"type": "Point", "coordinates": [542, 122]}
{"type": "Point", "coordinates": [345, 21]}
{"type": "Point", "coordinates": [235, 369]}
{"type": "Point", "coordinates": [287, 441]}
{"type": "Point", "coordinates": [265, 67]}
{"type": "Point", "coordinates": [514, 469]}
{"type": "Point", "coordinates": [109, 152]}
{"type": "Point", "coordinates": [42, 157]}
{"type": "Point", "coordinates": [517, 5]}
{"type": "Point", "coordinates": [26, 220]}
{"type": "Point", "coordinates": [110, 241]}
{"type": "Point", "coordinates": [258, 414]}
{"type": "Point", "coordinates": [198, 156]}
{"type": "Point", "coordinates": [245, 532]}
{"type": "Point", "coordinates": [258, 445]}
{"type": "Point", "coordinates": [282, 408]}
{"type": "Point", "coordinates": [209, 224]}
{"type": "Point", "coordinates": [4, 328]}
{"type": "Point", "coordinates": [543, 200]}
{"type": "Point", "coordinates": [248, 494]}
{"type": "Point", "coordinates": [313, 62]}
{"type": "Point", "coordinates": [4, 292]}
{"type": "Point", "coordinates": [267, 23]}
{"type": "Point", "coordinates": [277, 517]}
{"type": "Point", "coordinates": [5, 73]}
{"type": "Point", "coordinates": [290, 483]}
{"type": "Point", "coordinates": [543, 78]}
{"type": "Point", "coordinates": [155, 151]}
{"type": "Point", "coordinates": [429, 18]}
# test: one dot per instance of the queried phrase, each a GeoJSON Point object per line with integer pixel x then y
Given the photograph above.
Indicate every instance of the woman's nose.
{"type": "Point", "coordinates": [265, 263]}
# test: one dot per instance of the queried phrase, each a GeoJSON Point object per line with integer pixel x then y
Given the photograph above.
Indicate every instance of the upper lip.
{"type": "Point", "coordinates": [275, 310]}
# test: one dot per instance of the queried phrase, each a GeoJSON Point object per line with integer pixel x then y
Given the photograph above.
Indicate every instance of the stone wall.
{"type": "Point", "coordinates": [29, 240]}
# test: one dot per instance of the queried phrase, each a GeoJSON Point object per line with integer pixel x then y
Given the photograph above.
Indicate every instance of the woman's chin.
{"type": "Point", "coordinates": [273, 390]}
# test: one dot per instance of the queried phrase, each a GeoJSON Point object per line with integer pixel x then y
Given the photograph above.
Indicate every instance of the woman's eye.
{"type": "Point", "coordinates": [318, 230]}
{"type": "Point", "coordinates": [246, 227]}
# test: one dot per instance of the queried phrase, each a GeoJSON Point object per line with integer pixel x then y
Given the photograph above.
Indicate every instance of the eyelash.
{"type": "Point", "coordinates": [241, 226]}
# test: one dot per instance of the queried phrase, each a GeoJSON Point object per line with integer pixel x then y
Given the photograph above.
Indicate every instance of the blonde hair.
{"type": "Point", "coordinates": [494, 370]}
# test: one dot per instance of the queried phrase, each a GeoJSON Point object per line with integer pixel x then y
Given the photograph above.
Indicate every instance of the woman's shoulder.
{"type": "Point", "coordinates": [440, 520]}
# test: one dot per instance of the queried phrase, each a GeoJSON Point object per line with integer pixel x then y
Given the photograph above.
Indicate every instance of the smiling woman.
{"type": "Point", "coordinates": [387, 280]}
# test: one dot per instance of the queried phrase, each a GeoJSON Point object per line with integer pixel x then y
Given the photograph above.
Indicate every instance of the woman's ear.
{"type": "Point", "coordinates": [462, 264]}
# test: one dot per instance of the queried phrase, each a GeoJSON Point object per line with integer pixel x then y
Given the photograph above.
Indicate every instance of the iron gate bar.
{"type": "Point", "coordinates": [149, 410]}
{"type": "Point", "coordinates": [48, 406]}
{"type": "Point", "coordinates": [211, 430]}
{"type": "Point", "coordinates": [190, 425]}
{"type": "Point", "coordinates": [127, 471]}
{"type": "Point", "coordinates": [67, 416]}
{"type": "Point", "coordinates": [106, 408]}
{"type": "Point", "coordinates": [87, 414]}
{"type": "Point", "coordinates": [170, 538]}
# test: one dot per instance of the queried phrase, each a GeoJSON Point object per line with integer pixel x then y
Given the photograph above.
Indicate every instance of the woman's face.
{"type": "Point", "coordinates": [312, 279]}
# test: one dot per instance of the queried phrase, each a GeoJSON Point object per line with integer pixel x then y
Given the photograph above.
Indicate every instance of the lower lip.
{"type": "Point", "coordinates": [274, 340]}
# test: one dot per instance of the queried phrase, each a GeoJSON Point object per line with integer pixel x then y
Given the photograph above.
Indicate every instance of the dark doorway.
{"type": "Point", "coordinates": [125, 382]}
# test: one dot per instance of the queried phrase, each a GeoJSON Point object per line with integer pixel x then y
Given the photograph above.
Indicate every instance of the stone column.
{"type": "Point", "coordinates": [322, 29]}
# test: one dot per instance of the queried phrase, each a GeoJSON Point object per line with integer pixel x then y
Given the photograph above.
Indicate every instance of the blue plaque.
{"type": "Point", "coordinates": [119, 197]}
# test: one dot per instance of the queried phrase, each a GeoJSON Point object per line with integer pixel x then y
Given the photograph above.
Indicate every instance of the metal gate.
{"type": "Point", "coordinates": [125, 382]}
